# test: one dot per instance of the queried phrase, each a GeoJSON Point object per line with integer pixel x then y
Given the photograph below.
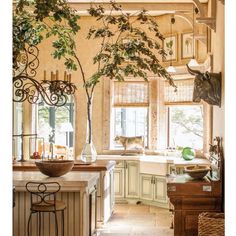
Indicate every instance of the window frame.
{"type": "Point", "coordinates": [52, 119]}
{"type": "Point", "coordinates": [113, 119]}
{"type": "Point", "coordinates": [157, 117]}
{"type": "Point", "coordinates": [168, 120]}
{"type": "Point", "coordinates": [107, 113]}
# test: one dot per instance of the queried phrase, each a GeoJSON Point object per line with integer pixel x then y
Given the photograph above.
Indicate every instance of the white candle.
{"type": "Point", "coordinates": [69, 78]}
{"type": "Point", "coordinates": [57, 74]}
{"type": "Point", "coordinates": [64, 75]}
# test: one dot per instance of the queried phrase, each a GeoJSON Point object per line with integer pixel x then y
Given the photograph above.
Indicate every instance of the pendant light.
{"type": "Point", "coordinates": [171, 68]}
{"type": "Point", "coordinates": [193, 62]}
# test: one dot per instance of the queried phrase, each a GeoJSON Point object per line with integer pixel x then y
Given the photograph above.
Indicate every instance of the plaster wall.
{"type": "Point", "coordinates": [218, 39]}
{"type": "Point", "coordinates": [86, 50]}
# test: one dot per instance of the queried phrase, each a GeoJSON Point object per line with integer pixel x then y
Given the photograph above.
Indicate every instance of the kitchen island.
{"type": "Point", "coordinates": [78, 191]}
{"type": "Point", "coordinates": [105, 190]}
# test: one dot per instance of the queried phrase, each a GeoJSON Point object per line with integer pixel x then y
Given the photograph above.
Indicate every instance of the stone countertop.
{"type": "Point", "coordinates": [73, 179]}
{"type": "Point", "coordinates": [178, 161]}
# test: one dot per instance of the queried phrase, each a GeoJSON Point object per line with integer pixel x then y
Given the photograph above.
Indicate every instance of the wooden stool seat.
{"type": "Point", "coordinates": [49, 206]}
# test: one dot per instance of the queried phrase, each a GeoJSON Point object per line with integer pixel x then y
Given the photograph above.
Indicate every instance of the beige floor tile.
{"type": "Point", "coordinates": [137, 220]}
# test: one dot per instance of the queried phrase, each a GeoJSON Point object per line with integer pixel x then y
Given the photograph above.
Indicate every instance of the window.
{"type": "Point", "coordinates": [55, 124]}
{"type": "Point", "coordinates": [130, 110]}
{"type": "Point", "coordinates": [131, 122]}
{"type": "Point", "coordinates": [185, 126]}
{"type": "Point", "coordinates": [186, 120]}
{"type": "Point", "coordinates": [154, 110]}
{"type": "Point", "coordinates": [17, 129]}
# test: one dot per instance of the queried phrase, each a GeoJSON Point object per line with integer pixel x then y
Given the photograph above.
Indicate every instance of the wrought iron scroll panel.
{"type": "Point", "coordinates": [27, 88]}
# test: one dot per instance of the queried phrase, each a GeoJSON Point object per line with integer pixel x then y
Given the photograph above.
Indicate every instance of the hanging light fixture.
{"type": "Point", "coordinates": [193, 62]}
{"type": "Point", "coordinates": [171, 68]}
{"type": "Point", "coordinates": [53, 92]}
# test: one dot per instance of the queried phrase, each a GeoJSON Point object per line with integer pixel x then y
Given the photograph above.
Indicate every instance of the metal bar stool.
{"type": "Point", "coordinates": [45, 194]}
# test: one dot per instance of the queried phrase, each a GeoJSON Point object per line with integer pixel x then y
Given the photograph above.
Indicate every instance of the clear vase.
{"type": "Point", "coordinates": [89, 153]}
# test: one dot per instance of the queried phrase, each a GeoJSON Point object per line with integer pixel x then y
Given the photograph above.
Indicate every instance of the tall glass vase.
{"type": "Point", "coordinates": [89, 154]}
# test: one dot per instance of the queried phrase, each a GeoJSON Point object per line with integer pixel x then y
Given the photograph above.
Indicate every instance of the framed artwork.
{"type": "Point", "coordinates": [187, 45]}
{"type": "Point", "coordinates": [170, 47]}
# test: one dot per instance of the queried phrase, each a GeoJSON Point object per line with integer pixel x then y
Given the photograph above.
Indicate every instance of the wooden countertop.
{"type": "Point", "coordinates": [99, 165]}
{"type": "Point", "coordinates": [184, 185]}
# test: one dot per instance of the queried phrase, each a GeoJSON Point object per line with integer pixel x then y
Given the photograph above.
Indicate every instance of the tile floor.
{"type": "Point", "coordinates": [138, 220]}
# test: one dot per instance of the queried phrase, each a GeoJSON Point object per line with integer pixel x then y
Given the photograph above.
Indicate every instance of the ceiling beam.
{"type": "Point", "coordinates": [167, 7]}
{"type": "Point", "coordinates": [136, 1]}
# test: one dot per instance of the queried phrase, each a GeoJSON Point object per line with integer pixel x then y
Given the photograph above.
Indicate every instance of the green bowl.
{"type": "Point", "coordinates": [188, 153]}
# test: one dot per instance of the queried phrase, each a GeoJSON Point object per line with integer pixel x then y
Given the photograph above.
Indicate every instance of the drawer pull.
{"type": "Point", "coordinates": [206, 188]}
{"type": "Point", "coordinates": [171, 188]}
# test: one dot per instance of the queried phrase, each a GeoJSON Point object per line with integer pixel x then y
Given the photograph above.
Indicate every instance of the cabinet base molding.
{"type": "Point", "coordinates": [121, 201]}
{"type": "Point", "coordinates": [142, 202]}
{"type": "Point", "coordinates": [157, 204]}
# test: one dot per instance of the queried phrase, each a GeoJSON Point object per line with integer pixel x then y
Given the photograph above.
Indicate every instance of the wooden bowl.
{"type": "Point", "coordinates": [197, 171]}
{"type": "Point", "coordinates": [55, 168]}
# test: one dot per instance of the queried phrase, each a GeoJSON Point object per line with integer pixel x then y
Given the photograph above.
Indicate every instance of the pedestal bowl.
{"type": "Point", "coordinates": [197, 171]}
{"type": "Point", "coordinates": [55, 168]}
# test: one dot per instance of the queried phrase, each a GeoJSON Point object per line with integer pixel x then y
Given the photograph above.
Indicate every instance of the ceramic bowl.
{"type": "Point", "coordinates": [55, 168]}
{"type": "Point", "coordinates": [197, 171]}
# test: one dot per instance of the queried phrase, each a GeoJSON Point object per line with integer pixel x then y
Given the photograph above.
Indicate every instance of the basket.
{"type": "Point", "coordinates": [211, 224]}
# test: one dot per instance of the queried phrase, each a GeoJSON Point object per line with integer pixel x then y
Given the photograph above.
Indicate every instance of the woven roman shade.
{"type": "Point", "coordinates": [131, 94]}
{"type": "Point", "coordinates": [184, 92]}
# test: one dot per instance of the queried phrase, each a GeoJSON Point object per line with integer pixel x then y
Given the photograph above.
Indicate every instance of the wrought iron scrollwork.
{"type": "Point", "coordinates": [27, 88]}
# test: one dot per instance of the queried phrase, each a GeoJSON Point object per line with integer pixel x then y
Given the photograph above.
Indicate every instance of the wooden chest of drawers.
{"type": "Point", "coordinates": [191, 197]}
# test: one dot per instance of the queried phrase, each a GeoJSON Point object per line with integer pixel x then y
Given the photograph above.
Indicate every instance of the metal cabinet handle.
{"type": "Point", "coordinates": [126, 166]}
{"type": "Point", "coordinates": [153, 181]}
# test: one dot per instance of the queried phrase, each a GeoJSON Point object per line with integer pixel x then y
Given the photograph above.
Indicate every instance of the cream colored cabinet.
{"type": "Point", "coordinates": [153, 188]}
{"type": "Point", "coordinates": [146, 187]}
{"type": "Point", "coordinates": [112, 202]}
{"type": "Point", "coordinates": [130, 184]}
{"type": "Point", "coordinates": [160, 189]}
{"type": "Point", "coordinates": [105, 196]}
{"type": "Point", "coordinates": [132, 179]}
{"type": "Point", "coordinates": [126, 179]}
{"type": "Point", "coordinates": [119, 180]}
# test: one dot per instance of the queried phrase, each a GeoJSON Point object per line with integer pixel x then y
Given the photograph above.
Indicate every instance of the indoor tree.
{"type": "Point", "coordinates": [130, 44]}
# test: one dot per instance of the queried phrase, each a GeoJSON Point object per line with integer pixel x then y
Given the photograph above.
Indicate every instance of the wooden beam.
{"type": "Point", "coordinates": [208, 20]}
{"type": "Point", "coordinates": [167, 7]}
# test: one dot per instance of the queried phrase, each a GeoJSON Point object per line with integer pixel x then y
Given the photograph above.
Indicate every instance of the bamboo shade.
{"type": "Point", "coordinates": [131, 94]}
{"type": "Point", "coordinates": [184, 92]}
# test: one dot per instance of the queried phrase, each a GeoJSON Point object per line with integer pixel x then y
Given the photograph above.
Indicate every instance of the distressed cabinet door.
{"type": "Point", "coordinates": [146, 187]}
{"type": "Point", "coordinates": [160, 190]}
{"type": "Point", "coordinates": [112, 202]}
{"type": "Point", "coordinates": [119, 178]}
{"type": "Point", "coordinates": [132, 179]}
